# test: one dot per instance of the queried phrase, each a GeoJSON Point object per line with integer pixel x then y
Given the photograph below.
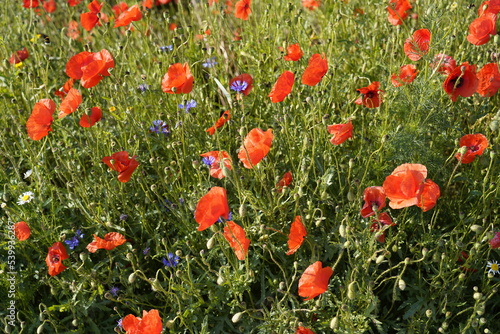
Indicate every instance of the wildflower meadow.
{"type": "Point", "coordinates": [249, 166]}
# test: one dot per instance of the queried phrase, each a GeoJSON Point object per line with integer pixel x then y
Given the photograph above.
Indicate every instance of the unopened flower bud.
{"type": "Point", "coordinates": [132, 277]}
{"type": "Point", "coordinates": [210, 243]}
{"type": "Point", "coordinates": [334, 323]}
{"type": "Point", "coordinates": [351, 290]}
{"type": "Point", "coordinates": [236, 317]}
{"type": "Point", "coordinates": [476, 228]}
{"type": "Point", "coordinates": [170, 324]}
{"type": "Point", "coordinates": [342, 230]}
{"type": "Point", "coordinates": [402, 285]}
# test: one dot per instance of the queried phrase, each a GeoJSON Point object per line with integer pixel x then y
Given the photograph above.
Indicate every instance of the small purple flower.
{"type": "Point", "coordinates": [143, 87]}
{"type": "Point", "coordinates": [146, 250]}
{"type": "Point", "coordinates": [229, 217]}
{"type": "Point", "coordinates": [75, 241]}
{"type": "Point", "coordinates": [172, 260]}
{"type": "Point", "coordinates": [181, 201]}
{"type": "Point", "coordinates": [208, 160]}
{"type": "Point", "coordinates": [210, 62]}
{"type": "Point", "coordinates": [123, 216]}
{"type": "Point", "coordinates": [160, 126]}
{"type": "Point", "coordinates": [189, 104]}
{"type": "Point", "coordinates": [114, 291]}
{"type": "Point", "coordinates": [120, 322]}
{"type": "Point", "coordinates": [166, 48]}
{"type": "Point", "coordinates": [239, 86]}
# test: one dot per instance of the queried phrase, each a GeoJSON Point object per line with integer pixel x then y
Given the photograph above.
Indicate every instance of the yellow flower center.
{"type": "Point", "coordinates": [27, 197]}
{"type": "Point", "coordinates": [494, 267]}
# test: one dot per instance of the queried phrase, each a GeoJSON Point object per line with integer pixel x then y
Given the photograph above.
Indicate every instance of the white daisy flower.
{"type": "Point", "coordinates": [494, 267]}
{"type": "Point", "coordinates": [25, 198]}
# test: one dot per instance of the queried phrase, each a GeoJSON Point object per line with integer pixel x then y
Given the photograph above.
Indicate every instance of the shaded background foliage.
{"type": "Point", "coordinates": [375, 288]}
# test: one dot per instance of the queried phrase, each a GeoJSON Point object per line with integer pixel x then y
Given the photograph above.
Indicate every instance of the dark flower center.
{"type": "Point", "coordinates": [474, 148]}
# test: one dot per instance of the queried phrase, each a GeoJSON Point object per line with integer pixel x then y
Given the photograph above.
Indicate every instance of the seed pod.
{"type": "Point", "coordinates": [170, 324]}
{"type": "Point", "coordinates": [334, 323]}
{"type": "Point", "coordinates": [402, 285]}
{"type": "Point", "coordinates": [131, 278]}
{"type": "Point", "coordinates": [351, 290]}
{"type": "Point", "coordinates": [210, 243]}
{"type": "Point", "coordinates": [342, 230]}
{"type": "Point", "coordinates": [236, 317]}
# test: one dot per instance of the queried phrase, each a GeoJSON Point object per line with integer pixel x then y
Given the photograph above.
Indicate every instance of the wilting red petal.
{"type": "Point", "coordinates": [294, 53]}
{"type": "Point", "coordinates": [236, 236]}
{"type": "Point", "coordinates": [211, 207]}
{"type": "Point", "coordinates": [314, 280]}
{"type": "Point", "coordinates": [242, 9]}
{"type": "Point", "coordinates": [296, 235]}
{"type": "Point", "coordinates": [495, 242]}
{"type": "Point", "coordinates": [110, 241]}
{"type": "Point", "coordinates": [407, 74]}
{"type": "Point", "coordinates": [256, 146]}
{"type": "Point", "coordinates": [87, 121]}
{"type": "Point", "coordinates": [226, 116]}
{"type": "Point", "coordinates": [418, 45]}
{"type": "Point", "coordinates": [311, 4]}
{"type": "Point", "coordinates": [19, 56]}
{"type": "Point", "coordinates": [121, 163]}
{"type": "Point", "coordinates": [315, 70]}
{"type": "Point", "coordinates": [282, 87]}
{"type": "Point", "coordinates": [40, 121]}
{"type": "Point", "coordinates": [370, 96]}
{"type": "Point", "coordinates": [128, 16]}
{"type": "Point", "coordinates": [446, 63]}
{"type": "Point", "coordinates": [70, 103]}
{"type": "Point", "coordinates": [215, 168]}
{"type": "Point", "coordinates": [341, 132]}
{"type": "Point", "coordinates": [22, 231]}
{"type": "Point", "coordinates": [398, 11]}
{"type": "Point", "coordinates": [429, 195]}
{"type": "Point", "coordinates": [284, 181]}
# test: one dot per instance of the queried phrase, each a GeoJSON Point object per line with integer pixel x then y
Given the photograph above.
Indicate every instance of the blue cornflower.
{"type": "Point", "coordinates": [239, 86]}
{"type": "Point", "coordinates": [114, 291]}
{"type": "Point", "coordinates": [143, 87]}
{"type": "Point", "coordinates": [123, 216]}
{"type": "Point", "coordinates": [160, 126]}
{"type": "Point", "coordinates": [146, 250]}
{"type": "Point", "coordinates": [229, 217]}
{"type": "Point", "coordinates": [208, 160]}
{"type": "Point", "coordinates": [172, 260]}
{"type": "Point", "coordinates": [166, 48]}
{"type": "Point", "coordinates": [119, 323]}
{"type": "Point", "coordinates": [210, 62]}
{"type": "Point", "coordinates": [189, 104]}
{"type": "Point", "coordinates": [75, 241]}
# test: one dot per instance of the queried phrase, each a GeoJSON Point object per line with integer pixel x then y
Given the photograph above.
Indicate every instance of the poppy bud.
{"type": "Point", "coordinates": [131, 278]}
{"type": "Point", "coordinates": [282, 286]}
{"type": "Point", "coordinates": [39, 330]}
{"type": "Point", "coordinates": [480, 309]}
{"type": "Point", "coordinates": [220, 280]}
{"type": "Point", "coordinates": [477, 295]}
{"type": "Point", "coordinates": [351, 290]}
{"type": "Point", "coordinates": [379, 259]}
{"type": "Point", "coordinates": [41, 316]}
{"type": "Point", "coordinates": [342, 231]}
{"type": "Point", "coordinates": [242, 210]}
{"type": "Point", "coordinates": [402, 285]}
{"type": "Point", "coordinates": [334, 323]}
{"type": "Point", "coordinates": [350, 196]}
{"type": "Point", "coordinates": [210, 243]}
{"type": "Point", "coordinates": [476, 228]}
{"type": "Point", "coordinates": [84, 257]}
{"type": "Point", "coordinates": [494, 125]}
{"type": "Point", "coordinates": [170, 324]}
{"type": "Point", "coordinates": [428, 313]}
{"type": "Point", "coordinates": [424, 252]}
{"type": "Point", "coordinates": [155, 285]}
{"type": "Point", "coordinates": [347, 244]}
{"type": "Point", "coordinates": [461, 277]}
{"type": "Point", "coordinates": [295, 265]}
{"type": "Point", "coordinates": [236, 317]}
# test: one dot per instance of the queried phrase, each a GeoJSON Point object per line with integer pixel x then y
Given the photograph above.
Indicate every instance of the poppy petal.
{"type": "Point", "coordinates": [315, 70]}
{"type": "Point", "coordinates": [314, 280]}
{"type": "Point", "coordinates": [70, 103]}
{"type": "Point", "coordinates": [256, 146]}
{"type": "Point", "coordinates": [211, 207]}
{"type": "Point", "coordinates": [296, 236]}
{"type": "Point", "coordinates": [282, 87]}
{"type": "Point", "coordinates": [236, 236]}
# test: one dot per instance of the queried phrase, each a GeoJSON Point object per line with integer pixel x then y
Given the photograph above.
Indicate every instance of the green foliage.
{"type": "Point", "coordinates": [430, 274]}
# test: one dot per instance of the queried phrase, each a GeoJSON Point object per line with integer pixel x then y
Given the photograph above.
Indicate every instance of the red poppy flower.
{"type": "Point", "coordinates": [407, 73]}
{"type": "Point", "coordinates": [370, 96]}
{"type": "Point", "coordinates": [294, 53]}
{"type": "Point", "coordinates": [30, 3]}
{"type": "Point", "coordinates": [178, 79]}
{"type": "Point", "coordinates": [211, 207]}
{"type": "Point", "coordinates": [63, 91]}
{"type": "Point", "coordinates": [382, 220]}
{"type": "Point", "coordinates": [121, 163]}
{"type": "Point", "coordinates": [446, 63]}
{"type": "Point", "coordinates": [150, 323]}
{"type": "Point", "coordinates": [40, 121]}
{"type": "Point", "coordinates": [57, 254]}
{"type": "Point", "coordinates": [90, 67]}
{"type": "Point", "coordinates": [87, 121]}
{"type": "Point", "coordinates": [303, 330]}
{"type": "Point", "coordinates": [315, 70]}
{"type": "Point", "coordinates": [49, 6]}
{"type": "Point", "coordinates": [110, 241]}
{"type": "Point", "coordinates": [340, 132]}
{"type": "Point", "coordinates": [90, 19]}
{"type": "Point", "coordinates": [397, 11]}
{"type": "Point", "coordinates": [70, 103]}
{"type": "Point", "coordinates": [429, 196]}
{"type": "Point", "coordinates": [256, 146]}
{"type": "Point", "coordinates": [489, 80]}
{"type": "Point", "coordinates": [128, 16]}
{"type": "Point", "coordinates": [19, 56]}
{"type": "Point", "coordinates": [314, 280]}
{"type": "Point", "coordinates": [22, 231]}
{"type": "Point", "coordinates": [215, 158]}
{"type": "Point", "coordinates": [475, 143]}
{"type": "Point", "coordinates": [461, 81]}
{"type": "Point", "coordinates": [407, 186]}
{"type": "Point", "coordinates": [296, 236]}
{"type": "Point", "coordinates": [282, 87]}
{"type": "Point", "coordinates": [285, 181]}
{"type": "Point", "coordinates": [374, 198]}
{"type": "Point", "coordinates": [492, 6]}
{"type": "Point", "coordinates": [311, 4]}
{"type": "Point", "coordinates": [481, 28]}
{"type": "Point", "coordinates": [418, 45]}
{"type": "Point", "coordinates": [119, 8]}
{"type": "Point", "coordinates": [73, 3]}
{"type": "Point", "coordinates": [495, 242]}
{"type": "Point", "coordinates": [220, 122]}
{"type": "Point", "coordinates": [236, 236]}
{"type": "Point", "coordinates": [242, 9]}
